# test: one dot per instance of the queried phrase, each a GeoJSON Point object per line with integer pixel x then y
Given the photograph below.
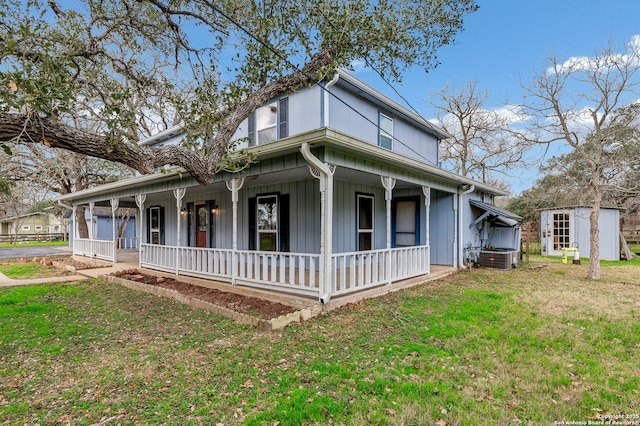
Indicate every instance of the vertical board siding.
{"type": "Point", "coordinates": [442, 219]}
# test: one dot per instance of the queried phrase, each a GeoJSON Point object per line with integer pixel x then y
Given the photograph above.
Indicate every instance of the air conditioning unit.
{"type": "Point", "coordinates": [499, 259]}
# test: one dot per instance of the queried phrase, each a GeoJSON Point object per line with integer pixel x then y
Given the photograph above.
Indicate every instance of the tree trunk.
{"type": "Point", "coordinates": [83, 229]}
{"type": "Point", "coordinates": [594, 234]}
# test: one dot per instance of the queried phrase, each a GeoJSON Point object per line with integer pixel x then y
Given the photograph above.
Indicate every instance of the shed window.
{"type": "Point", "coordinates": [26, 227]}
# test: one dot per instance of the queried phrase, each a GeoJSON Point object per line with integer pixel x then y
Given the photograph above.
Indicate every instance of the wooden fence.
{"type": "Point", "coordinates": [23, 238]}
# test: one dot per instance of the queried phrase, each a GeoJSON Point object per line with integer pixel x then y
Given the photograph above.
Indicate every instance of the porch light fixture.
{"type": "Point", "coordinates": [183, 210]}
{"type": "Point", "coordinates": [214, 208]}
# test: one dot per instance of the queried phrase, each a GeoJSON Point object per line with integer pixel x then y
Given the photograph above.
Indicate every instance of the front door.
{"type": "Point", "coordinates": [405, 222]}
{"type": "Point", "coordinates": [201, 225]}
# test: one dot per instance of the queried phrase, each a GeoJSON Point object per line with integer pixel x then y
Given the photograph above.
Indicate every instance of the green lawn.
{"type": "Point", "coordinates": [28, 270]}
{"type": "Point", "coordinates": [526, 346]}
{"type": "Point", "coordinates": [35, 244]}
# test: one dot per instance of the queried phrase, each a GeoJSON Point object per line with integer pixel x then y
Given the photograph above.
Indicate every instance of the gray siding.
{"type": "Point", "coordinates": [414, 143]}
{"type": "Point", "coordinates": [408, 140]}
{"type": "Point", "coordinates": [442, 219]}
{"type": "Point", "coordinates": [344, 215]}
{"type": "Point", "coordinates": [345, 119]}
{"type": "Point", "coordinates": [305, 110]}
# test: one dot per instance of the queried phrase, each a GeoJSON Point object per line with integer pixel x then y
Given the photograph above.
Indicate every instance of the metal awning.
{"type": "Point", "coordinates": [495, 215]}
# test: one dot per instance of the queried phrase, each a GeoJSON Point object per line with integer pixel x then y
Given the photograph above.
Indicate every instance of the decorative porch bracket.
{"type": "Point", "coordinates": [114, 206]}
{"type": "Point", "coordinates": [140, 199]}
{"type": "Point", "coordinates": [234, 185]}
{"type": "Point", "coordinates": [179, 194]}
{"type": "Point", "coordinates": [388, 183]}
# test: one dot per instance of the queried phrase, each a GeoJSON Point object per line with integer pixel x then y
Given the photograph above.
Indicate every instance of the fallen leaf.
{"type": "Point", "coordinates": [391, 411]}
{"type": "Point", "coordinates": [441, 422]}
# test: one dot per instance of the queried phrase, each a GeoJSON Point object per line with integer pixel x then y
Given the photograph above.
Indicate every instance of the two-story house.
{"type": "Point", "coordinates": [346, 194]}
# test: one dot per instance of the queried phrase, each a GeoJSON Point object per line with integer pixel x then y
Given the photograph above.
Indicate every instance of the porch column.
{"type": "Point", "coordinates": [323, 172]}
{"type": "Point", "coordinates": [179, 194]}
{"type": "Point", "coordinates": [455, 230]}
{"type": "Point", "coordinates": [74, 219]}
{"type": "Point", "coordinates": [388, 183]}
{"type": "Point", "coordinates": [426, 190]}
{"type": "Point", "coordinates": [234, 185]}
{"type": "Point", "coordinates": [114, 206]}
{"type": "Point", "coordinates": [140, 199]}
{"type": "Point", "coordinates": [92, 230]}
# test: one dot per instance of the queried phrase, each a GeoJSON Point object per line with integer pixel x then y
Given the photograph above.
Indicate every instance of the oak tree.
{"type": "Point", "coordinates": [580, 104]}
{"type": "Point", "coordinates": [78, 78]}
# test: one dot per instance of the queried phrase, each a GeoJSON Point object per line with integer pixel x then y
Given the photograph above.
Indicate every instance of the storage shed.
{"type": "Point", "coordinates": [569, 227]}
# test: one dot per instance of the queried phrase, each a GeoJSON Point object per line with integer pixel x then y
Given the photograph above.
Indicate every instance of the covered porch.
{"type": "Point", "coordinates": [342, 226]}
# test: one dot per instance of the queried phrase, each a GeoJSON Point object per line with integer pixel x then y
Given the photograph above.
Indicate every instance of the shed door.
{"type": "Point", "coordinates": [559, 231]}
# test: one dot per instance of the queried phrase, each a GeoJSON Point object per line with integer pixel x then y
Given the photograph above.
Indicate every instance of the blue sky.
{"type": "Point", "coordinates": [506, 40]}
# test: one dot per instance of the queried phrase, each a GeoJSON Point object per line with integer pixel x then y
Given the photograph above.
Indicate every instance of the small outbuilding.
{"type": "Point", "coordinates": [567, 227]}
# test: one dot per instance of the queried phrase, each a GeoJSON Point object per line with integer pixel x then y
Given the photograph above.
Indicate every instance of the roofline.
{"type": "Point", "coordinates": [6, 219]}
{"type": "Point", "coordinates": [579, 207]}
{"type": "Point", "coordinates": [315, 137]}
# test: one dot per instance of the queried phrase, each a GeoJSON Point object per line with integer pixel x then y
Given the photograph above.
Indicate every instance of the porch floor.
{"type": "Point", "coordinates": [128, 259]}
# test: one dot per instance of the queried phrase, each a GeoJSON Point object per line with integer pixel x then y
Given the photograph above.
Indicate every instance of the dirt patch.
{"type": "Point", "coordinates": [78, 265]}
{"type": "Point", "coordinates": [253, 306]}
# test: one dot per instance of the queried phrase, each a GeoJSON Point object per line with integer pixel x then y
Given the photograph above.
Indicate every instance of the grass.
{"type": "Point", "coordinates": [28, 270]}
{"type": "Point", "coordinates": [529, 346]}
{"type": "Point", "coordinates": [34, 244]}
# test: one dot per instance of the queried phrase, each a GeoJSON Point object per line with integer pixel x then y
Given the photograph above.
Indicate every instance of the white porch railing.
{"type": "Point", "coordinates": [292, 272]}
{"type": "Point", "coordinates": [159, 257]}
{"type": "Point", "coordinates": [360, 270]}
{"type": "Point", "coordinates": [128, 243]}
{"type": "Point", "coordinates": [295, 272]}
{"type": "Point", "coordinates": [100, 249]}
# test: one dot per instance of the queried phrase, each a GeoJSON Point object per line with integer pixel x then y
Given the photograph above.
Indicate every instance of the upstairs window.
{"type": "Point", "coordinates": [386, 131]}
{"type": "Point", "coordinates": [269, 122]}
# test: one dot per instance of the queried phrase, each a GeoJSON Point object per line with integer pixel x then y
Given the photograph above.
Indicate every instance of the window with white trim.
{"type": "Point", "coordinates": [365, 222]}
{"type": "Point", "coordinates": [269, 122]}
{"type": "Point", "coordinates": [267, 218]}
{"type": "Point", "coordinates": [26, 227]}
{"type": "Point", "coordinates": [154, 225]}
{"type": "Point", "coordinates": [38, 228]}
{"type": "Point", "coordinates": [386, 131]}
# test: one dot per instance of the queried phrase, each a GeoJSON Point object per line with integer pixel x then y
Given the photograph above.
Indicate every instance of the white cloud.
{"type": "Point", "coordinates": [631, 56]}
